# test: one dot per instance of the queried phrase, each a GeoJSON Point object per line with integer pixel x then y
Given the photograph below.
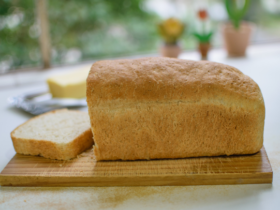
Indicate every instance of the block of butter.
{"type": "Point", "coordinates": [69, 85]}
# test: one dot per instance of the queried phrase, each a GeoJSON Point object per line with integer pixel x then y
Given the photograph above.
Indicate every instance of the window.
{"type": "Point", "coordinates": [94, 29]}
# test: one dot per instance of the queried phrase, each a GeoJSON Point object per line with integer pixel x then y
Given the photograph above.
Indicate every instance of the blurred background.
{"type": "Point", "coordinates": [77, 31]}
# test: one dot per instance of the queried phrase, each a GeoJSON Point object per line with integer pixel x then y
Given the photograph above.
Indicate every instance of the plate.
{"type": "Point", "coordinates": [40, 102]}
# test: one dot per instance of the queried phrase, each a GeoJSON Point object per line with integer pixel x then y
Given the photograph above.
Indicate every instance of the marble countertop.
{"type": "Point", "coordinates": [262, 64]}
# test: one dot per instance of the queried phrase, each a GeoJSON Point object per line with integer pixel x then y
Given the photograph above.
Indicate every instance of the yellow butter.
{"type": "Point", "coordinates": [69, 85]}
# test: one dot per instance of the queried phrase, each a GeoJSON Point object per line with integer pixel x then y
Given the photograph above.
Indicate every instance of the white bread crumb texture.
{"type": "Point", "coordinates": [61, 126]}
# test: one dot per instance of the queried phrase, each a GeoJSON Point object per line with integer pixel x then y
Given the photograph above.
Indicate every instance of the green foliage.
{"type": "Point", "coordinates": [236, 14]}
{"type": "Point", "coordinates": [16, 45]}
{"type": "Point", "coordinates": [101, 28]}
{"type": "Point", "coordinates": [4, 7]}
{"type": "Point", "coordinates": [97, 28]}
{"type": "Point", "coordinates": [203, 38]}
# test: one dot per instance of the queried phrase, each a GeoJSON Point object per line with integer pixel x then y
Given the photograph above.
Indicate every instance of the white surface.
{"type": "Point", "coordinates": [262, 64]}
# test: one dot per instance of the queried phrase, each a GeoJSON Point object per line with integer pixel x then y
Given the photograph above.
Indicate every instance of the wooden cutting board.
{"type": "Point", "coordinates": [25, 170]}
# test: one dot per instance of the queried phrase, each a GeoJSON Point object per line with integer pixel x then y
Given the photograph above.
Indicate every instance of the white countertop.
{"type": "Point", "coordinates": [262, 64]}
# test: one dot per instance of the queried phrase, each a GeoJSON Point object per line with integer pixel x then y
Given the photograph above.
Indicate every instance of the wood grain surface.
{"type": "Point", "coordinates": [25, 170]}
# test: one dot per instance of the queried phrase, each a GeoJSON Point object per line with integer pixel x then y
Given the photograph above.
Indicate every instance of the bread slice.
{"type": "Point", "coordinates": [60, 134]}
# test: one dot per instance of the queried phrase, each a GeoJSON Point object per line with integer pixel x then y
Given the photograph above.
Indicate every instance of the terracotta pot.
{"type": "Point", "coordinates": [204, 49]}
{"type": "Point", "coordinates": [236, 41]}
{"type": "Point", "coordinates": [171, 51]}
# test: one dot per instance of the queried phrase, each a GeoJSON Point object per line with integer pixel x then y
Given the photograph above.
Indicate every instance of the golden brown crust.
{"type": "Point", "coordinates": [167, 79]}
{"type": "Point", "coordinates": [170, 108]}
{"type": "Point", "coordinates": [50, 149]}
{"type": "Point", "coordinates": [80, 144]}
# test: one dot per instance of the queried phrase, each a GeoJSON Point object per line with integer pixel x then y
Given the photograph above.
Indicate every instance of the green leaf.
{"type": "Point", "coordinates": [203, 38]}
{"type": "Point", "coordinates": [234, 13]}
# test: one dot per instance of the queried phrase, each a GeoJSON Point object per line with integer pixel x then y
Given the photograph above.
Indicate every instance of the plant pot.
{"type": "Point", "coordinates": [171, 51]}
{"type": "Point", "coordinates": [237, 40]}
{"type": "Point", "coordinates": [204, 49]}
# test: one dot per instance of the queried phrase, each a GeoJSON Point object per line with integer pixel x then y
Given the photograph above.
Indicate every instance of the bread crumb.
{"type": "Point", "coordinates": [57, 133]}
{"type": "Point", "coordinates": [60, 165]}
{"type": "Point", "coordinates": [24, 200]}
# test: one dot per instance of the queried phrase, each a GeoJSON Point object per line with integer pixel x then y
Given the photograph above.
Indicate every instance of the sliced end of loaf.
{"type": "Point", "coordinates": [60, 134]}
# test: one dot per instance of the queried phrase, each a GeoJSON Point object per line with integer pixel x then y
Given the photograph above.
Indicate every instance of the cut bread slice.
{"type": "Point", "coordinates": [60, 134]}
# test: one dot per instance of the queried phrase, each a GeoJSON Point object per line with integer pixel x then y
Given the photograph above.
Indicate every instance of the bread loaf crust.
{"type": "Point", "coordinates": [170, 108]}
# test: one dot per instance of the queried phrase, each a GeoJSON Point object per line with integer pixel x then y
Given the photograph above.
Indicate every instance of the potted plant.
{"type": "Point", "coordinates": [204, 35]}
{"type": "Point", "coordinates": [171, 30]}
{"type": "Point", "coordinates": [237, 33]}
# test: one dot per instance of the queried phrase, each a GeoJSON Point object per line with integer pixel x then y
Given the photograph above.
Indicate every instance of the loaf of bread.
{"type": "Point", "coordinates": [155, 108]}
{"type": "Point", "coordinates": [60, 134]}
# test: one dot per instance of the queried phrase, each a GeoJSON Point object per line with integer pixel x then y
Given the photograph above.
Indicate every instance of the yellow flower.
{"type": "Point", "coordinates": [171, 29]}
